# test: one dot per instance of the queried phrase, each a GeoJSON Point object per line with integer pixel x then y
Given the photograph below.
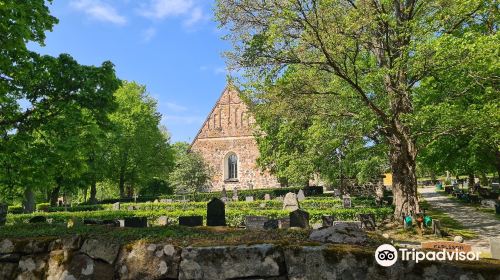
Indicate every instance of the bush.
{"type": "Point", "coordinates": [17, 209]}
{"type": "Point", "coordinates": [43, 207]}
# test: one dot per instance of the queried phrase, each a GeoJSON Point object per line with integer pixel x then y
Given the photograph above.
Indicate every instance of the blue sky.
{"type": "Point", "coordinates": [171, 46]}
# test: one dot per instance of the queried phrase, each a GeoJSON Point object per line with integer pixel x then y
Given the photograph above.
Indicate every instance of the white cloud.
{"type": "Point", "coordinates": [195, 17]}
{"type": "Point", "coordinates": [148, 34]}
{"type": "Point", "coordinates": [175, 107]}
{"type": "Point", "coordinates": [218, 70]}
{"type": "Point", "coordinates": [161, 9]}
{"type": "Point", "coordinates": [99, 11]}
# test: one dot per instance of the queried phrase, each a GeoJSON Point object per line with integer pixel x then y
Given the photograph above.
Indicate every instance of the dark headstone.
{"type": "Point", "coordinates": [216, 213]}
{"type": "Point", "coordinates": [112, 223]}
{"type": "Point", "coordinates": [299, 218]}
{"type": "Point", "coordinates": [3, 213]}
{"type": "Point", "coordinates": [90, 222]}
{"type": "Point", "coordinates": [255, 222]}
{"type": "Point", "coordinates": [497, 208]}
{"type": "Point", "coordinates": [347, 201]}
{"type": "Point", "coordinates": [348, 223]}
{"type": "Point", "coordinates": [271, 224]}
{"type": "Point", "coordinates": [136, 222]}
{"type": "Point", "coordinates": [327, 220]}
{"type": "Point", "coordinates": [367, 221]}
{"type": "Point", "coordinates": [191, 221]}
{"type": "Point", "coordinates": [38, 219]}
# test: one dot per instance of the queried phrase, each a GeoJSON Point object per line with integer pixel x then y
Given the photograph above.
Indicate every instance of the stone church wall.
{"type": "Point", "coordinates": [229, 128]}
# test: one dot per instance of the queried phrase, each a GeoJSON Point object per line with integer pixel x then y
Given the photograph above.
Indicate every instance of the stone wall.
{"type": "Point", "coordinates": [79, 258]}
{"type": "Point", "coordinates": [229, 128]}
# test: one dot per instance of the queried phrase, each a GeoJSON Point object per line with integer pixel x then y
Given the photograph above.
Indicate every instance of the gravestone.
{"type": "Point", "coordinates": [162, 221]}
{"type": "Point", "coordinates": [249, 198]}
{"type": "Point", "coordinates": [290, 202]}
{"type": "Point", "coordinates": [116, 206]}
{"type": "Point", "coordinates": [336, 192]}
{"type": "Point", "coordinates": [3, 213]}
{"type": "Point", "coordinates": [436, 228]}
{"type": "Point", "coordinates": [262, 205]}
{"type": "Point", "coordinates": [271, 224]}
{"type": "Point", "coordinates": [299, 218]}
{"type": "Point", "coordinates": [131, 208]}
{"type": "Point", "coordinates": [38, 219]}
{"type": "Point", "coordinates": [223, 194]}
{"type": "Point", "coordinates": [156, 201]}
{"type": "Point", "coordinates": [136, 222]}
{"type": "Point", "coordinates": [216, 213]}
{"type": "Point", "coordinates": [169, 200]}
{"type": "Point", "coordinates": [327, 220]}
{"type": "Point", "coordinates": [191, 221]}
{"type": "Point", "coordinates": [267, 197]}
{"type": "Point", "coordinates": [111, 223]}
{"type": "Point", "coordinates": [367, 221]}
{"type": "Point", "coordinates": [280, 198]}
{"type": "Point", "coordinates": [495, 248]}
{"type": "Point", "coordinates": [347, 201]}
{"type": "Point", "coordinates": [300, 195]}
{"type": "Point", "coordinates": [163, 200]}
{"type": "Point", "coordinates": [235, 194]}
{"type": "Point", "coordinates": [255, 222]}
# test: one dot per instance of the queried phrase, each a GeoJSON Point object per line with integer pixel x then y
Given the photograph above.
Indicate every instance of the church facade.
{"type": "Point", "coordinates": [226, 141]}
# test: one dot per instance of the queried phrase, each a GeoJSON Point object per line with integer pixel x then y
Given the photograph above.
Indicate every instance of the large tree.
{"type": "Point", "coordinates": [374, 57]}
{"type": "Point", "coordinates": [139, 148]}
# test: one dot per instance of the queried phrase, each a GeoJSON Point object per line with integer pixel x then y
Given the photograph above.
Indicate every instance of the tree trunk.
{"type": "Point", "coordinates": [404, 179]}
{"type": "Point", "coordinates": [497, 163]}
{"type": "Point", "coordinates": [470, 181]}
{"type": "Point", "coordinates": [54, 196]}
{"type": "Point", "coordinates": [121, 183]}
{"type": "Point", "coordinates": [93, 192]}
{"type": "Point", "coordinates": [29, 201]}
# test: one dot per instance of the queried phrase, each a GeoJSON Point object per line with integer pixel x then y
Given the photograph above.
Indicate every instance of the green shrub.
{"type": "Point", "coordinates": [16, 209]}
{"type": "Point", "coordinates": [44, 207]}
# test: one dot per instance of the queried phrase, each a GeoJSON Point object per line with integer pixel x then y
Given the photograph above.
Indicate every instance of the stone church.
{"type": "Point", "coordinates": [227, 143]}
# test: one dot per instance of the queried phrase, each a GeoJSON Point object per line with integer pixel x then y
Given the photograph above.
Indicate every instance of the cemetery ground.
{"type": "Point", "coordinates": [254, 237]}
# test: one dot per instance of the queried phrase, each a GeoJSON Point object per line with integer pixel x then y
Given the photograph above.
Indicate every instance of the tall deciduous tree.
{"type": "Point", "coordinates": [139, 145]}
{"type": "Point", "coordinates": [373, 56]}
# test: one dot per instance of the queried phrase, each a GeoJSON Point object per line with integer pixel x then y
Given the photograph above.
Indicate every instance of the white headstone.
{"type": "Point", "coordinates": [290, 202]}
{"type": "Point", "coordinates": [249, 198]}
{"type": "Point", "coordinates": [301, 196]}
{"type": "Point", "coordinates": [267, 197]}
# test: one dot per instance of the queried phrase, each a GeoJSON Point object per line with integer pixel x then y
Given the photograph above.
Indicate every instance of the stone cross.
{"type": "Point", "coordinates": [290, 202]}
{"type": "Point", "coordinates": [216, 213]}
{"type": "Point", "coordinates": [299, 218]}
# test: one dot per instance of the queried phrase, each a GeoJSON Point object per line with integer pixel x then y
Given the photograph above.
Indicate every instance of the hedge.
{"type": "Point", "coordinates": [256, 193]}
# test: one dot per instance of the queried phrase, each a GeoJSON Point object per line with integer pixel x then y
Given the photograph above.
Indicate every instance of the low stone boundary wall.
{"type": "Point", "coordinates": [74, 258]}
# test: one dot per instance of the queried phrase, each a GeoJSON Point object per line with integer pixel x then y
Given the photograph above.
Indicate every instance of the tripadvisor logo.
{"type": "Point", "coordinates": [386, 255]}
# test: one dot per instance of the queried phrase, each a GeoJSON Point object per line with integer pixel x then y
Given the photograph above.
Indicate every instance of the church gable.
{"type": "Point", "coordinates": [228, 118]}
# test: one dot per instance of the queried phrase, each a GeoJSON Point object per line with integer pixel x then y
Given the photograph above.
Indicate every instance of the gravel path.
{"type": "Point", "coordinates": [484, 224]}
